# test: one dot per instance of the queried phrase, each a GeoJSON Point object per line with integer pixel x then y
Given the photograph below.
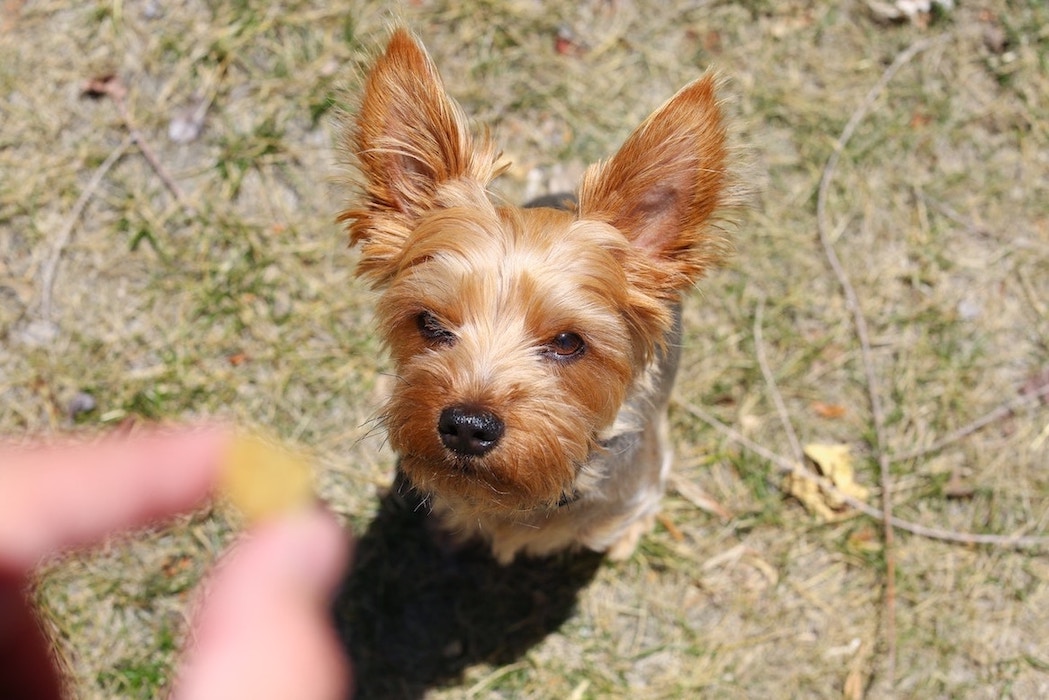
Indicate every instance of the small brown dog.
{"type": "Point", "coordinates": [534, 348]}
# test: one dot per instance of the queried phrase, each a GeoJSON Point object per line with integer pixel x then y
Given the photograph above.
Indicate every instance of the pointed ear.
{"type": "Point", "coordinates": [408, 139]}
{"type": "Point", "coordinates": [663, 189]}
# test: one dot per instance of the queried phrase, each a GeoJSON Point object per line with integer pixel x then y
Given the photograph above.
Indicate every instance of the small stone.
{"type": "Point", "coordinates": [82, 403]}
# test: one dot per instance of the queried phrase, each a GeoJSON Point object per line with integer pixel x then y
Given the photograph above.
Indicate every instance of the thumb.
{"type": "Point", "coordinates": [264, 629]}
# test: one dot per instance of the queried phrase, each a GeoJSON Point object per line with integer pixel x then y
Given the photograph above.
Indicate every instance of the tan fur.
{"type": "Point", "coordinates": [481, 306]}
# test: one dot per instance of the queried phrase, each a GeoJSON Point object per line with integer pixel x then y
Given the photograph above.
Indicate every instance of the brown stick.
{"type": "Point", "coordinates": [852, 301]}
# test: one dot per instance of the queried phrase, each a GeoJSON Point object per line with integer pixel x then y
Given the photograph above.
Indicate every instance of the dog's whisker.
{"type": "Point", "coordinates": [392, 375]}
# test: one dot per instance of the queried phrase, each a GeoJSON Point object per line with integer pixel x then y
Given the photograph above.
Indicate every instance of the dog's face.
{"type": "Point", "coordinates": [510, 336]}
{"type": "Point", "coordinates": [516, 334]}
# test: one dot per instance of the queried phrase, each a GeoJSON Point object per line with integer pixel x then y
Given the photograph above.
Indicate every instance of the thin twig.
{"type": "Point", "coordinates": [161, 172]}
{"type": "Point", "coordinates": [1003, 411]}
{"type": "Point", "coordinates": [770, 381]}
{"type": "Point", "coordinates": [112, 87]}
{"type": "Point", "coordinates": [1015, 541]}
{"type": "Point", "coordinates": [782, 463]}
{"type": "Point", "coordinates": [50, 269]}
{"type": "Point", "coordinates": [852, 301]}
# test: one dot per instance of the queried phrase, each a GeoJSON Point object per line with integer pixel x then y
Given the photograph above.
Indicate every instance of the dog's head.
{"type": "Point", "coordinates": [516, 334]}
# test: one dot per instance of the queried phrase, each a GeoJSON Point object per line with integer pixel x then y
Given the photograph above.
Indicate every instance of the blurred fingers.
{"type": "Point", "coordinates": [75, 493]}
{"type": "Point", "coordinates": [264, 630]}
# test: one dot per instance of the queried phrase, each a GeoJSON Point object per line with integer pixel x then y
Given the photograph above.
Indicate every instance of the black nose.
{"type": "Point", "coordinates": [469, 431]}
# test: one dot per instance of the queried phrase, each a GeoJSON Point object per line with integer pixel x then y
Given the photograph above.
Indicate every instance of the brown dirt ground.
{"type": "Point", "coordinates": [246, 307]}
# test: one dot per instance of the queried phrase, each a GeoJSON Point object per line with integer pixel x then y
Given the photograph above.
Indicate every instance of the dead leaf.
{"type": "Point", "coordinates": [920, 119]}
{"type": "Point", "coordinates": [238, 358]}
{"type": "Point", "coordinates": [834, 462]}
{"type": "Point", "coordinates": [566, 43]}
{"type": "Point", "coordinates": [106, 85]}
{"type": "Point", "coordinates": [831, 411]}
{"type": "Point", "coordinates": [809, 493]}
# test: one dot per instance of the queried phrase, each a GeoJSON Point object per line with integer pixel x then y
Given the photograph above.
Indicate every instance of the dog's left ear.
{"type": "Point", "coordinates": [409, 138]}
{"type": "Point", "coordinates": [663, 190]}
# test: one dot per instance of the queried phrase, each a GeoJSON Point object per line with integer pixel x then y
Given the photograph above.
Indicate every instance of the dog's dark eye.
{"type": "Point", "coordinates": [432, 330]}
{"type": "Point", "coordinates": [565, 346]}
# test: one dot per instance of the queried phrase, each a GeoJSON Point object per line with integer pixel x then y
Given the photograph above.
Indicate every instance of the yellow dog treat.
{"type": "Point", "coordinates": [262, 478]}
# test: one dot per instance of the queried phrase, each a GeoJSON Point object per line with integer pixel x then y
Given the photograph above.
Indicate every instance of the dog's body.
{"type": "Point", "coordinates": [535, 348]}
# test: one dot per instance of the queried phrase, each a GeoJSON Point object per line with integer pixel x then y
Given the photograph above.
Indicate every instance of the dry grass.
{"type": "Point", "coordinates": [246, 307]}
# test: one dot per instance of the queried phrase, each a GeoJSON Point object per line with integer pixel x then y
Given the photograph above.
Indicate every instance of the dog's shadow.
{"type": "Point", "coordinates": [414, 616]}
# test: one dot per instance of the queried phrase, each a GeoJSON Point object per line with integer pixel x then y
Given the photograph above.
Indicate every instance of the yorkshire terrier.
{"type": "Point", "coordinates": [534, 348]}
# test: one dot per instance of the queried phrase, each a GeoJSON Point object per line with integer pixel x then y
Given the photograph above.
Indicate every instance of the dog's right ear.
{"type": "Point", "coordinates": [409, 138]}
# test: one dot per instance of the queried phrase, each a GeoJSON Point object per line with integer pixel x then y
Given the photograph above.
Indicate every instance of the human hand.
{"type": "Point", "coordinates": [262, 630]}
